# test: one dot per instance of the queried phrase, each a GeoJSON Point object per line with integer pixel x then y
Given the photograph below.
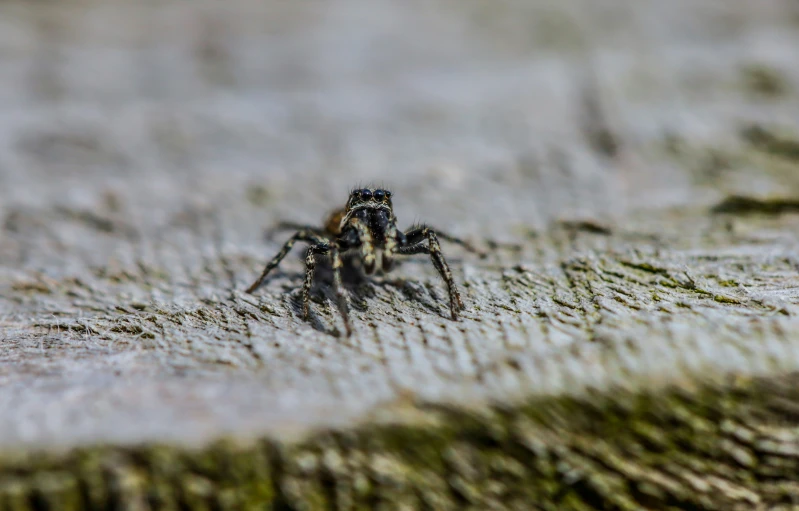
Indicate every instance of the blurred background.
{"type": "Point", "coordinates": [515, 110]}
{"type": "Point", "coordinates": [145, 146]}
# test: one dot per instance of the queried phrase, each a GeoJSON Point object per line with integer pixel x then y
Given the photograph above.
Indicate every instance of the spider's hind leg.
{"type": "Point", "coordinates": [293, 226]}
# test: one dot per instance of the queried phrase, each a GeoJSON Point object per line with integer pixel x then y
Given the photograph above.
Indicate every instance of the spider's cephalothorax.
{"type": "Point", "coordinates": [367, 225]}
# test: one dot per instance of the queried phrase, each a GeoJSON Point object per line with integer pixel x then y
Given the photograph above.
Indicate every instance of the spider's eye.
{"type": "Point", "coordinates": [388, 194]}
{"type": "Point", "coordinates": [366, 194]}
{"type": "Point", "coordinates": [379, 195]}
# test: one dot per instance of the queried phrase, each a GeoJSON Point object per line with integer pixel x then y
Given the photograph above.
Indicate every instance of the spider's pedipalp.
{"type": "Point", "coordinates": [393, 242]}
{"type": "Point", "coordinates": [367, 244]}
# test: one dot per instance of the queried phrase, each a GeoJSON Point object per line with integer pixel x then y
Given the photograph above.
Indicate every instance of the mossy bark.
{"type": "Point", "coordinates": [730, 446]}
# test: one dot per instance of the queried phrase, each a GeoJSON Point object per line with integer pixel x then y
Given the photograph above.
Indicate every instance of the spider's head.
{"type": "Point", "coordinates": [371, 206]}
{"type": "Point", "coordinates": [370, 198]}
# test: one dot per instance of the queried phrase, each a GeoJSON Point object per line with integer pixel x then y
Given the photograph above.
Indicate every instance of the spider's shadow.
{"type": "Point", "coordinates": [359, 287]}
{"type": "Point", "coordinates": [353, 278]}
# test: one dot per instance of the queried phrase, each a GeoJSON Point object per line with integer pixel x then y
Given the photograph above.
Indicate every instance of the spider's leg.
{"type": "Point", "coordinates": [293, 226]}
{"type": "Point", "coordinates": [271, 265]}
{"type": "Point", "coordinates": [367, 245]}
{"type": "Point", "coordinates": [310, 268]}
{"type": "Point", "coordinates": [413, 250]}
{"type": "Point", "coordinates": [418, 234]}
{"type": "Point", "coordinates": [338, 287]}
{"type": "Point", "coordinates": [434, 249]}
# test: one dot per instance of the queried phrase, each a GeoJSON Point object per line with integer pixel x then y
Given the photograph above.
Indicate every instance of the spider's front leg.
{"type": "Point", "coordinates": [310, 270]}
{"type": "Point", "coordinates": [338, 287]}
{"type": "Point", "coordinates": [413, 245]}
{"type": "Point", "coordinates": [302, 235]}
{"type": "Point", "coordinates": [320, 247]}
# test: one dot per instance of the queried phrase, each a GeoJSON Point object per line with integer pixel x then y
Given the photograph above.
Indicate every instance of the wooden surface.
{"type": "Point", "coordinates": [632, 169]}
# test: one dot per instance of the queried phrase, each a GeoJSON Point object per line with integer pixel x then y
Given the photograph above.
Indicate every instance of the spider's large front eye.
{"type": "Point", "coordinates": [366, 194]}
{"type": "Point", "coordinates": [379, 195]}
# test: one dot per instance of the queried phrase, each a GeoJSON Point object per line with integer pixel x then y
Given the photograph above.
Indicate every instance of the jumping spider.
{"type": "Point", "coordinates": [367, 224]}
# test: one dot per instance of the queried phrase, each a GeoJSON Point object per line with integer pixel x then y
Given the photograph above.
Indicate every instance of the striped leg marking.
{"type": "Point", "coordinates": [455, 302]}
{"type": "Point", "coordinates": [434, 249]}
{"type": "Point", "coordinates": [338, 287]}
{"type": "Point", "coordinates": [420, 233]}
{"type": "Point", "coordinates": [310, 269]}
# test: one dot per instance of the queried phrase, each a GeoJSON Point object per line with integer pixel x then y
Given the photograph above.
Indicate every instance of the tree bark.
{"type": "Point", "coordinates": [630, 339]}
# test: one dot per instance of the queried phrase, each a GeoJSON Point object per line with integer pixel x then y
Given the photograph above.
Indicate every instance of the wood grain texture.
{"type": "Point", "coordinates": [630, 341]}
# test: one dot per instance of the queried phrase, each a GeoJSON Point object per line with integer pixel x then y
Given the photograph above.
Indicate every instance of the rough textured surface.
{"type": "Point", "coordinates": [632, 168]}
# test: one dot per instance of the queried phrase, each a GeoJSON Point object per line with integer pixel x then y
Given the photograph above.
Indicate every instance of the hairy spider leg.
{"type": "Point", "coordinates": [418, 233]}
{"type": "Point", "coordinates": [310, 269]}
{"type": "Point", "coordinates": [294, 226]}
{"type": "Point", "coordinates": [338, 287]}
{"type": "Point", "coordinates": [414, 240]}
{"type": "Point", "coordinates": [303, 235]}
{"type": "Point", "coordinates": [367, 244]}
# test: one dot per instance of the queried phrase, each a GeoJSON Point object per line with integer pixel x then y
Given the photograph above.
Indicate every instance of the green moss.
{"type": "Point", "coordinates": [764, 81]}
{"type": "Point", "coordinates": [773, 141]}
{"type": "Point", "coordinates": [742, 205]}
{"type": "Point", "coordinates": [258, 195]}
{"type": "Point", "coordinates": [56, 490]}
{"type": "Point", "coordinates": [609, 450]}
{"type": "Point", "coordinates": [421, 448]}
{"type": "Point", "coordinates": [645, 267]}
{"type": "Point", "coordinates": [726, 299]}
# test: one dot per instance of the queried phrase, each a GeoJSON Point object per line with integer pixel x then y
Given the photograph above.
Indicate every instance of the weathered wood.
{"type": "Point", "coordinates": [631, 341]}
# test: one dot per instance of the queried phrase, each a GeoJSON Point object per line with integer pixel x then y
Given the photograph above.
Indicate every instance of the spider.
{"type": "Point", "coordinates": [367, 224]}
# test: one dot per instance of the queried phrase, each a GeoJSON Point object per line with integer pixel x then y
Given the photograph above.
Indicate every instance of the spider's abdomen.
{"type": "Point", "coordinates": [333, 222]}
